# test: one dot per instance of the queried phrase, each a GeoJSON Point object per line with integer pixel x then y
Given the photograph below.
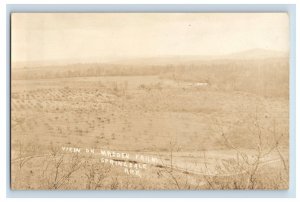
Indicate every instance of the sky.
{"type": "Point", "coordinates": [102, 37]}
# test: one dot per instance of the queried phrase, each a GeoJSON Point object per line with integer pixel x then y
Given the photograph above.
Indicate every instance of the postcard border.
{"type": "Point", "coordinates": [155, 8]}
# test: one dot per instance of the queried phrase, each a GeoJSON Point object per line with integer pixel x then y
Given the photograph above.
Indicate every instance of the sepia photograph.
{"type": "Point", "coordinates": [149, 101]}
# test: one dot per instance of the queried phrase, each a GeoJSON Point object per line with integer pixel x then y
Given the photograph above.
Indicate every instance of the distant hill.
{"type": "Point", "coordinates": [254, 54]}
{"type": "Point", "coordinates": [258, 54]}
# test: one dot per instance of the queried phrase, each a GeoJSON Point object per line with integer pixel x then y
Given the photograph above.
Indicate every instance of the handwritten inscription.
{"type": "Point", "coordinates": [132, 164]}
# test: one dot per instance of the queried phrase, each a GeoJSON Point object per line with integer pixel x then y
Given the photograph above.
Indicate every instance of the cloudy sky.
{"type": "Point", "coordinates": [89, 37]}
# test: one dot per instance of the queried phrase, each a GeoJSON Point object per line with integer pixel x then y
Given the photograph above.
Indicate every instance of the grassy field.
{"type": "Point", "coordinates": [210, 125]}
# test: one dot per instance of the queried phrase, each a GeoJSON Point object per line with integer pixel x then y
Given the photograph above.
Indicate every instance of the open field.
{"type": "Point", "coordinates": [207, 127]}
